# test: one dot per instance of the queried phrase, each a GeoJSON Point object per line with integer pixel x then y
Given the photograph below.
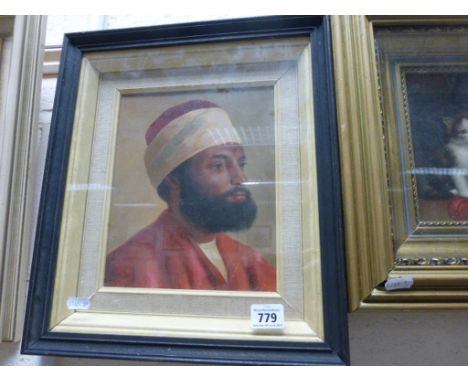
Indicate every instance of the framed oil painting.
{"type": "Point", "coordinates": [408, 245]}
{"type": "Point", "coordinates": [191, 203]}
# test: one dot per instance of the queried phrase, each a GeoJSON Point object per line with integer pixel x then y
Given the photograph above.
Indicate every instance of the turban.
{"type": "Point", "coordinates": [183, 131]}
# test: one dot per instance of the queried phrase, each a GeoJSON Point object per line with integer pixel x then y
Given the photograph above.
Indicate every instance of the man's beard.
{"type": "Point", "coordinates": [215, 213]}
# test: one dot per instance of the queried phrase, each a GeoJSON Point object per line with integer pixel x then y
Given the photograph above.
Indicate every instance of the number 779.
{"type": "Point", "coordinates": [269, 317]}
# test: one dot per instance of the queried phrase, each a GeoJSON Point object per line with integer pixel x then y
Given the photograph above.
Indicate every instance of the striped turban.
{"type": "Point", "coordinates": [183, 131]}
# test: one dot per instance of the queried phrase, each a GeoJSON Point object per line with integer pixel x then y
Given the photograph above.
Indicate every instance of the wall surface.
{"type": "Point", "coordinates": [376, 337]}
{"type": "Point", "coordinates": [419, 338]}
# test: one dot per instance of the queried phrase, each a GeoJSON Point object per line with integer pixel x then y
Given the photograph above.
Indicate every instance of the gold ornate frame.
{"type": "Point", "coordinates": [379, 247]}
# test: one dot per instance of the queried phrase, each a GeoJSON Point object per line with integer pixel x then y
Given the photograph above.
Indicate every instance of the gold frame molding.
{"type": "Point", "coordinates": [21, 43]}
{"type": "Point", "coordinates": [365, 160]}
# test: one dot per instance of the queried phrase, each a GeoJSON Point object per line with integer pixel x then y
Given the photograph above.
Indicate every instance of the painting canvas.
{"type": "Point", "coordinates": [247, 226]}
{"type": "Point", "coordinates": [437, 103]}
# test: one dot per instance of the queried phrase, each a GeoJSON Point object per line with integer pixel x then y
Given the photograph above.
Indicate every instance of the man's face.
{"type": "Point", "coordinates": [218, 169]}
{"type": "Point", "coordinates": [212, 195]}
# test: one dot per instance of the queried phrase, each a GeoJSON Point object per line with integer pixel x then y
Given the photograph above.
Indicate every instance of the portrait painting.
{"type": "Point", "coordinates": [193, 191]}
{"type": "Point", "coordinates": [193, 185]}
{"type": "Point", "coordinates": [196, 178]}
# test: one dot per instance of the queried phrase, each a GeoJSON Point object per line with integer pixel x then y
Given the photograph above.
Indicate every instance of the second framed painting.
{"type": "Point", "coordinates": [190, 211]}
{"type": "Point", "coordinates": [403, 114]}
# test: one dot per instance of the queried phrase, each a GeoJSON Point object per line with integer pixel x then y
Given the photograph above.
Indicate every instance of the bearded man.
{"type": "Point", "coordinates": [195, 160]}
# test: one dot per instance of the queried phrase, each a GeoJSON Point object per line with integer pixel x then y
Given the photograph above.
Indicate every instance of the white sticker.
{"type": "Point", "coordinates": [399, 283]}
{"type": "Point", "coordinates": [267, 316]}
{"type": "Point", "coordinates": [78, 303]}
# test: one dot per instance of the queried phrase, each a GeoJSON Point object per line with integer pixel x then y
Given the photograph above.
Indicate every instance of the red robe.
{"type": "Point", "coordinates": [162, 255]}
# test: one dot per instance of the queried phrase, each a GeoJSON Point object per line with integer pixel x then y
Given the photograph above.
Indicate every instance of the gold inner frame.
{"type": "Point", "coordinates": [187, 313]}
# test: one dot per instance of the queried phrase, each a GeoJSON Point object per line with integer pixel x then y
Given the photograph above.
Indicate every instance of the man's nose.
{"type": "Point", "coordinates": [238, 175]}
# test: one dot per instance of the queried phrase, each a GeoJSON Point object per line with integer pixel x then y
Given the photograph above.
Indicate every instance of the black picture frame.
{"type": "Point", "coordinates": [38, 339]}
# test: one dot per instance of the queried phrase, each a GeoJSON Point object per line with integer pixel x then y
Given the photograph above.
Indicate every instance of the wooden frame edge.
{"type": "Point", "coordinates": [22, 108]}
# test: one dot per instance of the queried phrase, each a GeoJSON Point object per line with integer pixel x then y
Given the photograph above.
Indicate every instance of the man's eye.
{"type": "Point", "coordinates": [218, 166]}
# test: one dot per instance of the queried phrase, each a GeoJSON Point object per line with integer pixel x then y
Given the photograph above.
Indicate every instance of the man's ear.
{"type": "Point", "coordinates": [174, 185]}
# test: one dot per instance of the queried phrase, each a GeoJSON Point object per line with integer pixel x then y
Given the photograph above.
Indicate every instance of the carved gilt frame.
{"type": "Point", "coordinates": [370, 158]}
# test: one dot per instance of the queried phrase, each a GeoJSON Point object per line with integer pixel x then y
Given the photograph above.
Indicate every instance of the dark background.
{"type": "Point", "coordinates": [431, 97]}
